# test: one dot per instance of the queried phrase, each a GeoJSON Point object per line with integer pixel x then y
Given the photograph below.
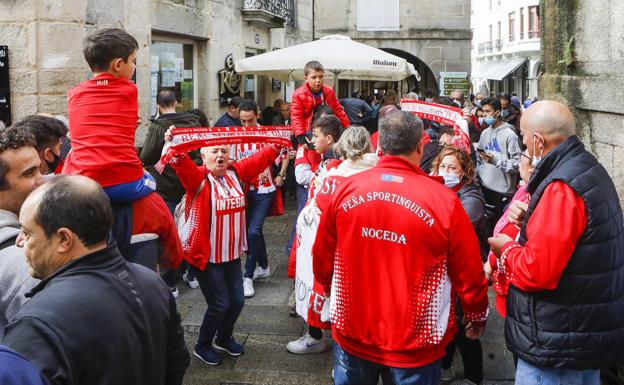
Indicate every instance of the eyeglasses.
{"type": "Point", "coordinates": [526, 156]}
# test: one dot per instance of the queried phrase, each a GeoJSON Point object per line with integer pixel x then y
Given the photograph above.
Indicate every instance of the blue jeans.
{"type": "Point", "coordinates": [257, 210]}
{"type": "Point", "coordinates": [349, 369]}
{"type": "Point", "coordinates": [222, 287]}
{"type": "Point", "coordinates": [528, 374]}
{"type": "Point", "coordinates": [132, 191]}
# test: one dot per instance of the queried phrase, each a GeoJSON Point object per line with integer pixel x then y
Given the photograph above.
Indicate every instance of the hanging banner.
{"type": "Point", "coordinates": [446, 115]}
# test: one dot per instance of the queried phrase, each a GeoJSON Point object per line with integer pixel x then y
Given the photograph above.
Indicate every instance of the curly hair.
{"type": "Point", "coordinates": [461, 156]}
{"type": "Point", "coordinates": [12, 138]}
{"type": "Point", "coordinates": [354, 143]}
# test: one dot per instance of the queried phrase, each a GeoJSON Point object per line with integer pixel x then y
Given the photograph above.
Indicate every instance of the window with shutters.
{"type": "Point", "coordinates": [534, 23]}
{"type": "Point", "coordinates": [378, 15]}
{"type": "Point", "coordinates": [512, 26]}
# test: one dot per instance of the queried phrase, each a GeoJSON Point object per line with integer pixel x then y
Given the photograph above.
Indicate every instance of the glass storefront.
{"type": "Point", "coordinates": [172, 66]}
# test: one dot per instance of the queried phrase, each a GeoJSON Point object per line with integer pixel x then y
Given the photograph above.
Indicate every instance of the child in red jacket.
{"type": "Point", "coordinates": [103, 115]}
{"type": "Point", "coordinates": [309, 96]}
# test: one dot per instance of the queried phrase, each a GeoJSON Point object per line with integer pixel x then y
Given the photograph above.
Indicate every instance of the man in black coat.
{"type": "Point", "coordinates": [566, 271]}
{"type": "Point", "coordinates": [94, 318]}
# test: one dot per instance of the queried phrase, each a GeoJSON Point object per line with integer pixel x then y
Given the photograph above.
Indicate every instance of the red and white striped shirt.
{"type": "Point", "coordinates": [263, 184]}
{"type": "Point", "coordinates": [227, 225]}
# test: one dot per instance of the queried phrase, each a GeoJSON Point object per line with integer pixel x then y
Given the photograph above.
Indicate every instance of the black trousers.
{"type": "Point", "coordinates": [470, 350]}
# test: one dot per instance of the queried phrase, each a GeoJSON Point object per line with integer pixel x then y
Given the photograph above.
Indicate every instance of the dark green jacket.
{"type": "Point", "coordinates": [168, 185]}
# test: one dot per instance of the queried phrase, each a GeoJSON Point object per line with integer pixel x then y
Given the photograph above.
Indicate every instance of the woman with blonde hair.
{"type": "Point", "coordinates": [354, 148]}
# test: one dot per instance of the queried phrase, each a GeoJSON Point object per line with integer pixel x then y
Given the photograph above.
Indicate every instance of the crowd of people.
{"type": "Point", "coordinates": [400, 225]}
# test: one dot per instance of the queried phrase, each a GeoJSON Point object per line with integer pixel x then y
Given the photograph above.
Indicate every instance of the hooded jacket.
{"type": "Point", "coordinates": [15, 279]}
{"type": "Point", "coordinates": [168, 185]}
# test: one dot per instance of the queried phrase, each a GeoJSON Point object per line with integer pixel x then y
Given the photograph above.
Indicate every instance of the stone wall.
{"type": "Point", "coordinates": [583, 49]}
{"type": "Point", "coordinates": [45, 45]}
{"type": "Point", "coordinates": [437, 32]}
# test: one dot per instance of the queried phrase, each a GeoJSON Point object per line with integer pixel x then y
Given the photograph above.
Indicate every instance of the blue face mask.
{"type": "Point", "coordinates": [450, 180]}
{"type": "Point", "coordinates": [478, 102]}
{"type": "Point", "coordinates": [489, 121]}
{"type": "Point", "coordinates": [505, 113]}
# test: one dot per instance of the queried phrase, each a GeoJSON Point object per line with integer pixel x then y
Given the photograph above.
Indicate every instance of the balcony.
{"type": "Point", "coordinates": [498, 45]}
{"type": "Point", "coordinates": [269, 13]}
{"type": "Point", "coordinates": [485, 47]}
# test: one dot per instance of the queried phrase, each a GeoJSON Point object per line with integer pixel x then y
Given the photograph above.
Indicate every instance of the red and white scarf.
{"type": "Point", "coordinates": [446, 115]}
{"type": "Point", "coordinates": [188, 139]}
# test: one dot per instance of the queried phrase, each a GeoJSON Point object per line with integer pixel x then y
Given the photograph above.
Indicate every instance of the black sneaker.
{"type": "Point", "coordinates": [230, 346]}
{"type": "Point", "coordinates": [207, 355]}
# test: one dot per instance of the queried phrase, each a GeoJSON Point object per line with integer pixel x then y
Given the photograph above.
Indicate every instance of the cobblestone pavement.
{"type": "Point", "coordinates": [264, 328]}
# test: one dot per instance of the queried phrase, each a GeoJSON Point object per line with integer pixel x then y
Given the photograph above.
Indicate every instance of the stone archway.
{"type": "Point", "coordinates": [427, 80]}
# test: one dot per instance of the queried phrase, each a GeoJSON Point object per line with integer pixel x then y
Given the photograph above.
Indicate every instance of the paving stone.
{"type": "Point", "coordinates": [265, 327]}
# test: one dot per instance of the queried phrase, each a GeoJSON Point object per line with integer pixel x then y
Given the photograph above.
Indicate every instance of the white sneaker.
{"type": "Point", "coordinates": [248, 288]}
{"type": "Point", "coordinates": [307, 345]}
{"type": "Point", "coordinates": [192, 283]}
{"type": "Point", "coordinates": [174, 291]}
{"type": "Point", "coordinates": [260, 273]}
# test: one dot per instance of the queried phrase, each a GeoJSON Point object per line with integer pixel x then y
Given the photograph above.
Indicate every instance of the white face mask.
{"type": "Point", "coordinates": [450, 180]}
{"type": "Point", "coordinates": [534, 159]}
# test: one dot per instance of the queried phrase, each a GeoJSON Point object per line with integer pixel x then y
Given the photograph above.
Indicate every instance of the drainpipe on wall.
{"type": "Point", "coordinates": [313, 24]}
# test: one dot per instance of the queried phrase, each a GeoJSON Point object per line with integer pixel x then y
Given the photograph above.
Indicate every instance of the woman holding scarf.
{"type": "Point", "coordinates": [214, 207]}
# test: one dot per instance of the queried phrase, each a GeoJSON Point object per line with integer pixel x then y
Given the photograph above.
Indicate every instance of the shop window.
{"type": "Point", "coordinates": [173, 67]}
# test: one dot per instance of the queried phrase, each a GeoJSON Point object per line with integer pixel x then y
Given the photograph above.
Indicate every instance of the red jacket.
{"type": "Point", "coordinates": [191, 177]}
{"type": "Point", "coordinates": [151, 215]}
{"type": "Point", "coordinates": [102, 119]}
{"type": "Point", "coordinates": [302, 108]}
{"type": "Point", "coordinates": [553, 231]}
{"type": "Point", "coordinates": [404, 247]}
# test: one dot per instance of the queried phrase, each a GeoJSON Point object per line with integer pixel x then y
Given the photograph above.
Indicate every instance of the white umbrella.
{"type": "Point", "coordinates": [338, 54]}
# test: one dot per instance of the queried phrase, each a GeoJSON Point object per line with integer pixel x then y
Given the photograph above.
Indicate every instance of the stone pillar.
{"type": "Point", "coordinates": [583, 56]}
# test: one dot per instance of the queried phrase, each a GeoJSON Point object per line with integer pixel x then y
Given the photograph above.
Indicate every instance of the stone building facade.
{"type": "Point", "coordinates": [182, 44]}
{"type": "Point", "coordinates": [506, 53]}
{"type": "Point", "coordinates": [435, 36]}
{"type": "Point", "coordinates": [583, 50]}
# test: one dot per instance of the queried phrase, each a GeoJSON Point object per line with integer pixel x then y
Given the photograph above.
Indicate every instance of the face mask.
{"type": "Point", "coordinates": [489, 121]}
{"type": "Point", "coordinates": [478, 102]}
{"type": "Point", "coordinates": [534, 159]}
{"type": "Point", "coordinates": [481, 121]}
{"type": "Point", "coordinates": [458, 103]}
{"type": "Point", "coordinates": [54, 164]}
{"type": "Point", "coordinates": [450, 180]}
{"type": "Point", "coordinates": [505, 113]}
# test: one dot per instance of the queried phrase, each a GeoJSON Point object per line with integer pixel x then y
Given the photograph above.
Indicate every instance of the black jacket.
{"type": "Point", "coordinates": [473, 202]}
{"type": "Point", "coordinates": [168, 185]}
{"type": "Point", "coordinates": [227, 121]}
{"type": "Point", "coordinates": [100, 320]}
{"type": "Point", "coordinates": [580, 324]}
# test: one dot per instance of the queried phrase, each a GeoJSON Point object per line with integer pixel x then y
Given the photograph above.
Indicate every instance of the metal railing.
{"type": "Point", "coordinates": [485, 47]}
{"type": "Point", "coordinates": [498, 45]}
{"type": "Point", "coordinates": [283, 8]}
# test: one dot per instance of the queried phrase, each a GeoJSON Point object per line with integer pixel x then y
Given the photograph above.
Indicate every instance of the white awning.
{"type": "Point", "coordinates": [497, 69]}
